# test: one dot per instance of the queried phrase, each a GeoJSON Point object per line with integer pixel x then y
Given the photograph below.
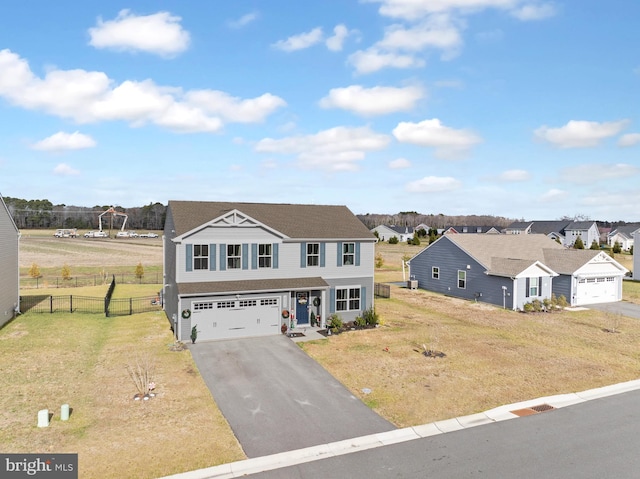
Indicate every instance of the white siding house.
{"type": "Point", "coordinates": [10, 277]}
{"type": "Point", "coordinates": [245, 269]}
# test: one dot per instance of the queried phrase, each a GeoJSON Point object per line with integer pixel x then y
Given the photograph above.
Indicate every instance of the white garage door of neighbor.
{"type": "Point", "coordinates": [597, 290]}
{"type": "Point", "coordinates": [236, 318]}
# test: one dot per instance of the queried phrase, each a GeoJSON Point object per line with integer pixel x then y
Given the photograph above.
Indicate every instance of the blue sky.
{"type": "Point", "coordinates": [518, 108]}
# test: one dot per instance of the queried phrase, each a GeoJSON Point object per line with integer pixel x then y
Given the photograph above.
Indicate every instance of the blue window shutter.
{"type": "Point", "coordinates": [339, 253]}
{"type": "Point", "coordinates": [358, 254]}
{"type": "Point", "coordinates": [303, 255]}
{"type": "Point", "coordinates": [223, 257]}
{"type": "Point", "coordinates": [275, 255]}
{"type": "Point", "coordinates": [363, 298]}
{"type": "Point", "coordinates": [212, 257]}
{"type": "Point", "coordinates": [332, 300]}
{"type": "Point", "coordinates": [540, 286]}
{"type": "Point", "coordinates": [322, 254]}
{"type": "Point", "coordinates": [254, 256]}
{"type": "Point", "coordinates": [245, 256]}
{"type": "Point", "coordinates": [526, 285]}
{"type": "Point", "coordinates": [189, 257]}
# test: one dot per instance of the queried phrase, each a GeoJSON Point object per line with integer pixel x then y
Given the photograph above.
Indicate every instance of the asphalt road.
{"type": "Point", "coordinates": [595, 439]}
{"type": "Point", "coordinates": [276, 398]}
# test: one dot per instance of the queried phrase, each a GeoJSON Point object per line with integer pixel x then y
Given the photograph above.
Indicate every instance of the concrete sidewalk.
{"type": "Point", "coordinates": [299, 456]}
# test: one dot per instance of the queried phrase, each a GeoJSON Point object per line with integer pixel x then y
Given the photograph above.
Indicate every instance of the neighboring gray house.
{"type": "Point", "coordinates": [564, 231]}
{"type": "Point", "coordinates": [385, 233]}
{"type": "Point", "coordinates": [9, 266]}
{"type": "Point", "coordinates": [471, 229]}
{"type": "Point", "coordinates": [636, 258]}
{"type": "Point", "coordinates": [511, 270]}
{"type": "Point", "coordinates": [244, 269]}
{"type": "Point", "coordinates": [623, 235]}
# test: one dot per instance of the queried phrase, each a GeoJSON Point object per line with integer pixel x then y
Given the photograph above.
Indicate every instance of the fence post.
{"type": "Point", "coordinates": [130, 306]}
{"type": "Point", "coordinates": [71, 303]}
{"type": "Point", "coordinates": [50, 304]}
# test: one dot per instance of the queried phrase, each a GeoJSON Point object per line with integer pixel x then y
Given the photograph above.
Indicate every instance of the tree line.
{"type": "Point", "coordinates": [43, 214]}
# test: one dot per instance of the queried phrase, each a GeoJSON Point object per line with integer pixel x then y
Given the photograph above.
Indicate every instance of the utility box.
{"type": "Point", "coordinates": [412, 284]}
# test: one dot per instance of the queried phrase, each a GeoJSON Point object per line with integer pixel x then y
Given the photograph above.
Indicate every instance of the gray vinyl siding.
{"type": "Point", "coordinates": [170, 283]}
{"type": "Point", "coordinates": [366, 295]}
{"type": "Point", "coordinates": [9, 279]}
{"type": "Point", "coordinates": [562, 286]}
{"type": "Point", "coordinates": [450, 259]}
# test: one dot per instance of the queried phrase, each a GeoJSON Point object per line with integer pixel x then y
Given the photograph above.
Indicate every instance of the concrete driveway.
{"type": "Point", "coordinates": [276, 398]}
{"type": "Point", "coordinates": [624, 308]}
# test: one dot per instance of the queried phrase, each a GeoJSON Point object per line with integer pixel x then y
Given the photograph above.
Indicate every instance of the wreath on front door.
{"type": "Point", "coordinates": [316, 302]}
{"type": "Point", "coordinates": [285, 313]}
{"type": "Point", "coordinates": [186, 313]}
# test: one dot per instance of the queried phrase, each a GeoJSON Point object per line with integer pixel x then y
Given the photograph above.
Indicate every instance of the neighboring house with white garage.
{"type": "Point", "coordinates": [623, 235]}
{"type": "Point", "coordinates": [9, 266]}
{"type": "Point", "coordinates": [511, 270]}
{"type": "Point", "coordinates": [244, 269]}
{"type": "Point", "coordinates": [385, 233]}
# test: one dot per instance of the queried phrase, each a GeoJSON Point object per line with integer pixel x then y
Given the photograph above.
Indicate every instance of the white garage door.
{"type": "Point", "coordinates": [597, 290]}
{"type": "Point", "coordinates": [236, 318]}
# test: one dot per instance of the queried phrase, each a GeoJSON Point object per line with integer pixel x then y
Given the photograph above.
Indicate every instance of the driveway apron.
{"type": "Point", "coordinates": [276, 398]}
{"type": "Point", "coordinates": [624, 308]}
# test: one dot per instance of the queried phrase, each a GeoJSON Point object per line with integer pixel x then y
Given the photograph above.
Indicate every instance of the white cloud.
{"type": "Point", "coordinates": [244, 20]}
{"type": "Point", "coordinates": [592, 173]}
{"type": "Point", "coordinates": [235, 109]}
{"type": "Point", "coordinates": [399, 163]}
{"type": "Point", "coordinates": [448, 142]}
{"type": "Point", "coordinates": [340, 34]}
{"type": "Point", "coordinates": [514, 175]}
{"type": "Point", "coordinates": [554, 195]}
{"type": "Point", "coordinates": [373, 59]}
{"type": "Point", "coordinates": [65, 141]}
{"type": "Point", "coordinates": [534, 11]}
{"type": "Point", "coordinates": [630, 139]}
{"type": "Point", "coordinates": [580, 134]}
{"type": "Point", "coordinates": [300, 41]}
{"type": "Point", "coordinates": [378, 100]}
{"type": "Point", "coordinates": [87, 97]}
{"type": "Point", "coordinates": [434, 184]}
{"type": "Point", "coordinates": [336, 149]}
{"type": "Point", "coordinates": [160, 33]}
{"type": "Point", "coordinates": [416, 9]}
{"type": "Point", "coordinates": [438, 31]}
{"type": "Point", "coordinates": [65, 170]}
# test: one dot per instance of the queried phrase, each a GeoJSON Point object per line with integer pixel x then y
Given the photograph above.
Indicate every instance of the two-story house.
{"type": "Point", "coordinates": [10, 277]}
{"type": "Point", "coordinates": [623, 235]}
{"type": "Point", "coordinates": [245, 269]}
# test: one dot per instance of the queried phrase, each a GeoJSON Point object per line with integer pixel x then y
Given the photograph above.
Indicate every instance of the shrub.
{"type": "Point", "coordinates": [139, 271]}
{"type": "Point", "coordinates": [66, 272]}
{"type": "Point", "coordinates": [34, 271]}
{"type": "Point", "coordinates": [527, 308]}
{"type": "Point", "coordinates": [415, 241]}
{"type": "Point", "coordinates": [617, 248]}
{"type": "Point", "coordinates": [393, 240]}
{"type": "Point", "coordinates": [371, 317]}
{"type": "Point", "coordinates": [360, 322]}
{"type": "Point", "coordinates": [595, 245]}
{"type": "Point", "coordinates": [379, 261]}
{"type": "Point", "coordinates": [335, 321]}
{"type": "Point", "coordinates": [536, 304]}
{"type": "Point", "coordinates": [562, 301]}
{"type": "Point", "coordinates": [548, 304]}
{"type": "Point", "coordinates": [578, 243]}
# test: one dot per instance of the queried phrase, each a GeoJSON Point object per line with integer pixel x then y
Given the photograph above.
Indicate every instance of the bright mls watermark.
{"type": "Point", "coordinates": [51, 466]}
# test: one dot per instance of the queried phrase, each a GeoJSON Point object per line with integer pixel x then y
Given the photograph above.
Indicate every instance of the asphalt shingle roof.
{"type": "Point", "coordinates": [294, 221]}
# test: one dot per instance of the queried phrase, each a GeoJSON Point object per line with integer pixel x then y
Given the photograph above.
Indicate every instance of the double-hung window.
{"type": "Point", "coordinates": [313, 254]}
{"type": "Point", "coordinates": [435, 272]}
{"type": "Point", "coordinates": [264, 255]}
{"type": "Point", "coordinates": [234, 256]}
{"type": "Point", "coordinates": [462, 279]}
{"type": "Point", "coordinates": [347, 299]}
{"type": "Point", "coordinates": [533, 287]}
{"type": "Point", "coordinates": [200, 256]}
{"type": "Point", "coordinates": [348, 254]}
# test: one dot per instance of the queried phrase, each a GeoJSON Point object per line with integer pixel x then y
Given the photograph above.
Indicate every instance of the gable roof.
{"type": "Point", "coordinates": [4, 207]}
{"type": "Point", "coordinates": [625, 231]}
{"type": "Point", "coordinates": [485, 248]}
{"type": "Point", "coordinates": [294, 221]}
{"type": "Point", "coordinates": [568, 260]}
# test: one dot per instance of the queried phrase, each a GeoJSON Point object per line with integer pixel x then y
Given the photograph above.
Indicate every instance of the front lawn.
{"type": "Point", "coordinates": [81, 359]}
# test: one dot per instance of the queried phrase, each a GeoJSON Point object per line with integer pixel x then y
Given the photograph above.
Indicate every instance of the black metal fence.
{"type": "Point", "coordinates": [382, 290]}
{"type": "Point", "coordinates": [108, 305]}
{"type": "Point", "coordinates": [87, 280]}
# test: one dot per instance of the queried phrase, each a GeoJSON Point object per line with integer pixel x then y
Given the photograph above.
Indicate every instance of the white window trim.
{"type": "Point", "coordinates": [352, 255]}
{"type": "Point", "coordinates": [435, 272]}
{"type": "Point", "coordinates": [265, 256]}
{"type": "Point", "coordinates": [349, 299]}
{"type": "Point", "coordinates": [458, 279]}
{"type": "Point", "coordinates": [234, 257]}
{"type": "Point", "coordinates": [313, 255]}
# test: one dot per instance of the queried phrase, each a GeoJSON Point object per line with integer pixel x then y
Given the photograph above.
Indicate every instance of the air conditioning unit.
{"type": "Point", "coordinates": [412, 284]}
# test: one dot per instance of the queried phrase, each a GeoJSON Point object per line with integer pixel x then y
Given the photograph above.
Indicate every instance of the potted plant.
{"type": "Point", "coordinates": [194, 333]}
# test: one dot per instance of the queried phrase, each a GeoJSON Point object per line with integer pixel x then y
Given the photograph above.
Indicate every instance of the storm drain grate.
{"type": "Point", "coordinates": [528, 411]}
